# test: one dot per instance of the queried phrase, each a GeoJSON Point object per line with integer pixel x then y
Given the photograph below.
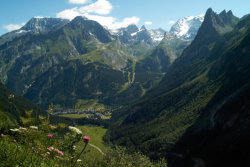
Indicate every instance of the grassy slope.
{"type": "Point", "coordinates": [15, 107]}
{"type": "Point", "coordinates": [96, 134]}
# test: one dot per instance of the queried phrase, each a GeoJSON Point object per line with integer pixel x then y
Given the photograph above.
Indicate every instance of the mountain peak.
{"type": "Point", "coordinates": [43, 24]}
{"type": "Point", "coordinates": [230, 13]}
{"type": "Point", "coordinates": [186, 28]}
{"type": "Point", "coordinates": [216, 24]}
{"type": "Point", "coordinates": [80, 18]}
{"type": "Point", "coordinates": [132, 28]}
{"type": "Point", "coordinates": [133, 35]}
{"type": "Point", "coordinates": [91, 27]}
{"type": "Point", "coordinates": [223, 12]}
{"type": "Point", "coordinates": [143, 28]}
{"type": "Point", "coordinates": [209, 11]}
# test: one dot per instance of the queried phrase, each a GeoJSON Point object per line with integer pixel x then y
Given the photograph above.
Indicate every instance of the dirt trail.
{"type": "Point", "coordinates": [96, 148]}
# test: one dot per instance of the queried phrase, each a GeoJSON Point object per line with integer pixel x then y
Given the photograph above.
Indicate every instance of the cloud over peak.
{"type": "Point", "coordinates": [100, 7]}
{"type": "Point", "coordinates": [12, 27]}
{"type": "Point", "coordinates": [112, 23]}
{"type": "Point", "coordinates": [69, 14]}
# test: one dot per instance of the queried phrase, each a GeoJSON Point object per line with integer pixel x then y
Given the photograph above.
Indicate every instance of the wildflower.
{"type": "Point", "coordinates": [60, 152]}
{"type": "Point", "coordinates": [11, 96]}
{"type": "Point", "coordinates": [14, 140]}
{"type": "Point", "coordinates": [50, 135]}
{"type": "Point", "coordinates": [48, 153]}
{"type": "Point", "coordinates": [33, 127]}
{"type": "Point", "coordinates": [52, 127]}
{"type": "Point", "coordinates": [74, 147]}
{"type": "Point", "coordinates": [86, 139]}
{"type": "Point", "coordinates": [21, 128]}
{"type": "Point", "coordinates": [51, 148]}
{"type": "Point", "coordinates": [2, 135]}
{"type": "Point", "coordinates": [79, 160]}
{"type": "Point", "coordinates": [76, 130]}
{"type": "Point", "coordinates": [14, 130]}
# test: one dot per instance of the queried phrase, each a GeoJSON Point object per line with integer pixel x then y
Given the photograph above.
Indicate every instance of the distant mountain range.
{"type": "Point", "coordinates": [43, 45]}
{"type": "Point", "coordinates": [132, 34]}
{"type": "Point", "coordinates": [185, 28]}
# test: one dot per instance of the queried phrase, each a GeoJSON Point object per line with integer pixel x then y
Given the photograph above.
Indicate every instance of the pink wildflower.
{"type": "Point", "coordinates": [48, 153]}
{"type": "Point", "coordinates": [86, 139]}
{"type": "Point", "coordinates": [2, 134]}
{"type": "Point", "coordinates": [60, 152]}
{"type": "Point", "coordinates": [50, 135]}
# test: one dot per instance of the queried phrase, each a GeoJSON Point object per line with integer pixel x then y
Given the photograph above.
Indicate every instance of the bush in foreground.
{"type": "Point", "coordinates": [44, 147]}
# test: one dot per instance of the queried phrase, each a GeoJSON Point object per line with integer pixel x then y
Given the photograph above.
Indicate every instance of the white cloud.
{"type": "Point", "coordinates": [106, 21]}
{"type": "Point", "coordinates": [148, 23]}
{"type": "Point", "coordinates": [12, 27]}
{"type": "Point", "coordinates": [111, 22]}
{"type": "Point", "coordinates": [68, 13]}
{"type": "Point", "coordinates": [78, 1]}
{"type": "Point", "coordinates": [100, 7]}
{"type": "Point", "coordinates": [126, 22]}
{"type": "Point", "coordinates": [171, 22]}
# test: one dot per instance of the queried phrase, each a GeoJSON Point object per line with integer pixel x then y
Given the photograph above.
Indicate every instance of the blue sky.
{"type": "Point", "coordinates": [114, 13]}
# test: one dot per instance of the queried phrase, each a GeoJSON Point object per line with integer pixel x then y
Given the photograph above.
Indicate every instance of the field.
{"type": "Point", "coordinates": [74, 115]}
{"type": "Point", "coordinates": [96, 134]}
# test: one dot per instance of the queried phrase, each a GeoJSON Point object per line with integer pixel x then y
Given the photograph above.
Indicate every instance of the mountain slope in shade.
{"type": "Point", "coordinates": [39, 61]}
{"type": "Point", "coordinates": [105, 74]}
{"type": "Point", "coordinates": [13, 107]}
{"type": "Point", "coordinates": [163, 55]}
{"type": "Point", "coordinates": [187, 28]}
{"type": "Point", "coordinates": [26, 58]}
{"type": "Point", "coordinates": [200, 111]}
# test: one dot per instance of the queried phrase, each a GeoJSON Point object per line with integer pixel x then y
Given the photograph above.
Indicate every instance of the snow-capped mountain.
{"type": "Point", "coordinates": [132, 34]}
{"type": "Point", "coordinates": [157, 34]}
{"type": "Point", "coordinates": [43, 25]}
{"type": "Point", "coordinates": [187, 28]}
{"type": "Point", "coordinates": [35, 25]}
{"type": "Point", "coordinates": [131, 29]}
